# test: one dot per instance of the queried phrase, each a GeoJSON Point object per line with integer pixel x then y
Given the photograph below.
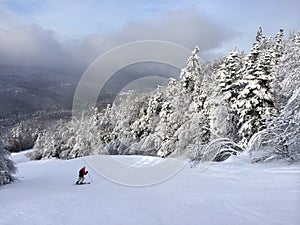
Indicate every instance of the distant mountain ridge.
{"type": "Point", "coordinates": [27, 90]}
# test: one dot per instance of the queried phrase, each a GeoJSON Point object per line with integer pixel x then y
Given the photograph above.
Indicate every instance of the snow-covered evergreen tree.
{"type": "Point", "coordinates": [255, 100]}
{"type": "Point", "coordinates": [278, 46]}
{"type": "Point", "coordinates": [287, 72]}
{"type": "Point", "coordinates": [281, 138]}
{"type": "Point", "coordinates": [259, 34]}
{"type": "Point", "coordinates": [190, 76]}
{"type": "Point", "coordinates": [228, 75]}
{"type": "Point", "coordinates": [7, 167]}
{"type": "Point", "coordinates": [224, 112]}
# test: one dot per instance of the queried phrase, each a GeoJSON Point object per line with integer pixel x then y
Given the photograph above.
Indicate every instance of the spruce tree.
{"type": "Point", "coordinates": [228, 75]}
{"type": "Point", "coordinates": [255, 100]}
{"type": "Point", "coordinates": [7, 167]}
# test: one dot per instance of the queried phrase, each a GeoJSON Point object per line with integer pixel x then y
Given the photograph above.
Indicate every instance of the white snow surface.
{"type": "Point", "coordinates": [231, 192]}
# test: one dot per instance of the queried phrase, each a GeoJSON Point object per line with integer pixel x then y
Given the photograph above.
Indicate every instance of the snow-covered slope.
{"type": "Point", "coordinates": [232, 192]}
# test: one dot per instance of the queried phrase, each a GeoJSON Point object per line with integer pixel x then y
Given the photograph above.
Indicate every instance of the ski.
{"type": "Point", "coordinates": [83, 183]}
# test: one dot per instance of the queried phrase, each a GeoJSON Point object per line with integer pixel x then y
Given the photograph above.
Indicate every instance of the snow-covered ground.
{"type": "Point", "coordinates": [232, 192]}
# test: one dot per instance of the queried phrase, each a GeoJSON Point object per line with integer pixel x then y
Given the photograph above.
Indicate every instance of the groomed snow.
{"type": "Point", "coordinates": [232, 192]}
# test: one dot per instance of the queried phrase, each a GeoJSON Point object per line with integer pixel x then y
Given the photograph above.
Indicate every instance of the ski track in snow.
{"type": "Point", "coordinates": [232, 192]}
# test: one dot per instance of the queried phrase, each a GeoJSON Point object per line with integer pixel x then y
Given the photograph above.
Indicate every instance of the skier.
{"type": "Point", "coordinates": [82, 172]}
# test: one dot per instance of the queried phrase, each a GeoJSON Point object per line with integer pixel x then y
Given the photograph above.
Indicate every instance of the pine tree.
{"type": "Point", "coordinates": [287, 71]}
{"type": "Point", "coordinates": [278, 46]}
{"type": "Point", "coordinates": [281, 138]}
{"type": "Point", "coordinates": [181, 113]}
{"type": "Point", "coordinates": [191, 75]}
{"type": "Point", "coordinates": [7, 167]}
{"type": "Point", "coordinates": [259, 34]}
{"type": "Point", "coordinates": [255, 100]}
{"type": "Point", "coordinates": [228, 75]}
{"type": "Point", "coordinates": [145, 119]}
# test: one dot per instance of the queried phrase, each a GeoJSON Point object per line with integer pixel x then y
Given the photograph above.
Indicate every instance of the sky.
{"type": "Point", "coordinates": [68, 35]}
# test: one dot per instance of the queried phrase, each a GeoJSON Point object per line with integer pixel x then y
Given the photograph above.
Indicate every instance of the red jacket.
{"type": "Point", "coordinates": [82, 172]}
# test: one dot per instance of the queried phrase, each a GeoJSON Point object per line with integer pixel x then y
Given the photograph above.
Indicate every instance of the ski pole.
{"type": "Point", "coordinates": [90, 178]}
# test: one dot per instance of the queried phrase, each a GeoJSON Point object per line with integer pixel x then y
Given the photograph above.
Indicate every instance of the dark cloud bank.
{"type": "Point", "coordinates": [31, 45]}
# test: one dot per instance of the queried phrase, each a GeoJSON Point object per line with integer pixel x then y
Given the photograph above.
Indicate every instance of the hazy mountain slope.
{"type": "Point", "coordinates": [24, 90]}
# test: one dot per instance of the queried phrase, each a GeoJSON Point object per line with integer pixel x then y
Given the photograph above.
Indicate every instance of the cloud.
{"type": "Point", "coordinates": [30, 45]}
{"type": "Point", "coordinates": [186, 27]}
{"type": "Point", "coordinates": [34, 46]}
